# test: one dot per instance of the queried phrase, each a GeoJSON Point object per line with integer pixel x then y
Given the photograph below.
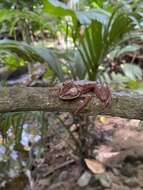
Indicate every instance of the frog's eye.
{"type": "Point", "coordinates": [68, 84]}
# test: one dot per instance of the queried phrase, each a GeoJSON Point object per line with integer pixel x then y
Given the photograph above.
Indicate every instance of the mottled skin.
{"type": "Point", "coordinates": [71, 90]}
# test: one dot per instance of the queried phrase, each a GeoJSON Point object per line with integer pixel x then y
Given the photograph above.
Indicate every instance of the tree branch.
{"type": "Point", "coordinates": [127, 104]}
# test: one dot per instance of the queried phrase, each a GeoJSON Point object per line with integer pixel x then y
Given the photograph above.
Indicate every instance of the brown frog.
{"type": "Point", "coordinates": [71, 90]}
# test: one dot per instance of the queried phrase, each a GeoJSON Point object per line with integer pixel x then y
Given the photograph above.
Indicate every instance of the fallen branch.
{"type": "Point", "coordinates": [127, 104]}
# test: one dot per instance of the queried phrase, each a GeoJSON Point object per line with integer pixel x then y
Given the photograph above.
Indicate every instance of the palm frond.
{"type": "Point", "coordinates": [100, 38]}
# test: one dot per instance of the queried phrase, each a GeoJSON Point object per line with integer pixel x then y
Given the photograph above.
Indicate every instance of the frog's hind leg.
{"type": "Point", "coordinates": [103, 93]}
{"type": "Point", "coordinates": [82, 104]}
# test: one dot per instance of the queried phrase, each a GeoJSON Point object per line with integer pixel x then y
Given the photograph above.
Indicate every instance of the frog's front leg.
{"type": "Point", "coordinates": [82, 104]}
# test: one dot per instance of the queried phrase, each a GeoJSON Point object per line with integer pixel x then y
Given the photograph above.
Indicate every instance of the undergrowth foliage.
{"type": "Point", "coordinates": [104, 30]}
{"type": "Point", "coordinates": [14, 123]}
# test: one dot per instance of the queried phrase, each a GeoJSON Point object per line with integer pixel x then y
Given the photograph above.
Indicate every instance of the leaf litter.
{"type": "Point", "coordinates": [115, 163]}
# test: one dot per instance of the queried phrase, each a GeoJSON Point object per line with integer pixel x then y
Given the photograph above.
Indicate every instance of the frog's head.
{"type": "Point", "coordinates": [69, 91]}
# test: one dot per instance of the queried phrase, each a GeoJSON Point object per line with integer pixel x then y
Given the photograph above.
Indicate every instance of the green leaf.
{"type": "Point", "coordinates": [31, 54]}
{"type": "Point", "coordinates": [123, 50]}
{"type": "Point", "coordinates": [57, 8]}
{"type": "Point", "coordinates": [48, 73]}
{"type": "Point", "coordinates": [128, 49]}
{"type": "Point", "coordinates": [132, 71]}
{"type": "Point", "coordinates": [48, 56]}
{"type": "Point", "coordinates": [86, 17]}
{"type": "Point", "coordinates": [119, 25]}
{"type": "Point", "coordinates": [133, 84]}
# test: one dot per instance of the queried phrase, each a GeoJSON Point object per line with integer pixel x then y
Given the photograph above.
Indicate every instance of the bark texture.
{"type": "Point", "coordinates": [127, 104]}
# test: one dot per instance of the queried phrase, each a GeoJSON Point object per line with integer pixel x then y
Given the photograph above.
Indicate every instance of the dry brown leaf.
{"type": "Point", "coordinates": [95, 166]}
{"type": "Point", "coordinates": [105, 153]}
{"type": "Point", "coordinates": [105, 156]}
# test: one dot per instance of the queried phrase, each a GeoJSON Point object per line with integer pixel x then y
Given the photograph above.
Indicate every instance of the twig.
{"type": "Point", "coordinates": [59, 167]}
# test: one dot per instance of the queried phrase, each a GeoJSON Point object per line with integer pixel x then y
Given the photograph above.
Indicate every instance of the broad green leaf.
{"type": "Point", "coordinates": [48, 56]}
{"type": "Point", "coordinates": [57, 8]}
{"type": "Point", "coordinates": [86, 17]}
{"type": "Point", "coordinates": [30, 54]}
{"type": "Point", "coordinates": [118, 78]}
{"type": "Point", "coordinates": [127, 49]}
{"type": "Point", "coordinates": [123, 50]}
{"type": "Point", "coordinates": [132, 71]}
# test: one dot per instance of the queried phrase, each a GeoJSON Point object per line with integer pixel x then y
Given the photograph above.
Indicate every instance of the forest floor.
{"type": "Point", "coordinates": [117, 146]}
